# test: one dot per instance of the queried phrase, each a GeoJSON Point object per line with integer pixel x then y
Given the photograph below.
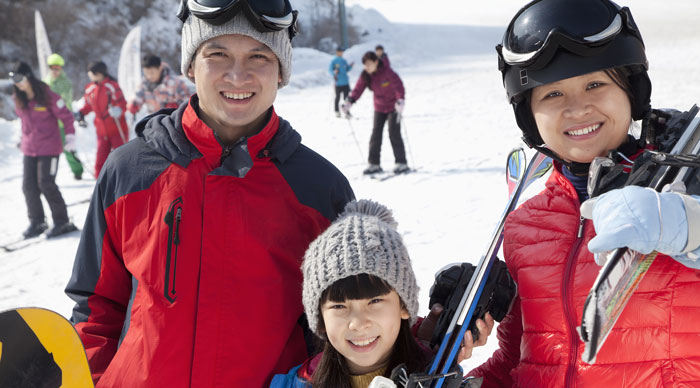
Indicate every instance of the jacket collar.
{"type": "Point", "coordinates": [207, 142]}
{"type": "Point", "coordinates": [180, 136]}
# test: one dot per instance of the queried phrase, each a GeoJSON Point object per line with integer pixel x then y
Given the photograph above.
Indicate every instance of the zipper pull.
{"type": "Point", "coordinates": [178, 217]}
{"type": "Point", "coordinates": [580, 227]}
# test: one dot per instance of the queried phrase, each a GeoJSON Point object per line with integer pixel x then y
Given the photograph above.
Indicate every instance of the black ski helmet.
{"type": "Point", "coordinates": [551, 40]}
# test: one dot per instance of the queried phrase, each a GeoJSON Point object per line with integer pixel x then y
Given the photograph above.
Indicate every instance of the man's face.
{"type": "Point", "coordinates": [236, 78]}
{"type": "Point", "coordinates": [379, 52]}
{"type": "Point", "coordinates": [152, 74]}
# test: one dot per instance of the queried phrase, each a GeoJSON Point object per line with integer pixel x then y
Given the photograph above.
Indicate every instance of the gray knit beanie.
{"type": "Point", "coordinates": [362, 240]}
{"type": "Point", "coordinates": [196, 31]}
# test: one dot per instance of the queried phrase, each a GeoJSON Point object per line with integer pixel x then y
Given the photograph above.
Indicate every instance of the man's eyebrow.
{"type": "Point", "coordinates": [217, 46]}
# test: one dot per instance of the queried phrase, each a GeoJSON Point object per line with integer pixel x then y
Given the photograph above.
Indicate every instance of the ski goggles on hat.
{"type": "Point", "coordinates": [538, 31]}
{"type": "Point", "coordinates": [264, 15]}
{"type": "Point", "coordinates": [17, 77]}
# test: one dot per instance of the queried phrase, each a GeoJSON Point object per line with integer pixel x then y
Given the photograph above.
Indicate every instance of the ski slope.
{"type": "Point", "coordinates": [458, 129]}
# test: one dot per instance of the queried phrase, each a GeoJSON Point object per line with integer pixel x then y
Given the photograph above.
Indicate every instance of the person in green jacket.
{"type": "Point", "coordinates": [61, 85]}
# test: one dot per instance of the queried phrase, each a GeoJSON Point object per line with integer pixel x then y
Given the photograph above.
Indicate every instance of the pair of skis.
{"type": "Point", "coordinates": [624, 269]}
{"type": "Point", "coordinates": [443, 368]}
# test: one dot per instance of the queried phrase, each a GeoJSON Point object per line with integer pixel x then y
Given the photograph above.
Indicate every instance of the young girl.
{"type": "Point", "coordinates": [388, 106]}
{"type": "Point", "coordinates": [40, 110]}
{"type": "Point", "coordinates": [360, 296]}
{"type": "Point", "coordinates": [576, 88]}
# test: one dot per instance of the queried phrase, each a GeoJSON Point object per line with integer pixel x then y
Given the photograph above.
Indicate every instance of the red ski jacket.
{"type": "Point", "coordinates": [188, 269]}
{"type": "Point", "coordinates": [655, 343]}
{"type": "Point", "coordinates": [99, 96]}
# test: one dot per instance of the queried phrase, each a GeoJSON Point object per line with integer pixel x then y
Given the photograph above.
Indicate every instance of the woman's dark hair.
{"type": "Point", "coordinates": [370, 56]}
{"type": "Point", "coordinates": [99, 67]}
{"type": "Point", "coordinates": [332, 370]}
{"type": "Point", "coordinates": [620, 76]}
{"type": "Point", "coordinates": [39, 88]}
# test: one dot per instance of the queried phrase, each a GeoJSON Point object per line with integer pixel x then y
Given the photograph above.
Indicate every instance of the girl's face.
{"type": "Point", "coordinates": [582, 117]}
{"type": "Point", "coordinates": [370, 66]}
{"type": "Point", "coordinates": [364, 330]}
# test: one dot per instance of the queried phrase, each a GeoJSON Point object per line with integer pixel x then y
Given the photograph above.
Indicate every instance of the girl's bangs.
{"type": "Point", "coordinates": [362, 286]}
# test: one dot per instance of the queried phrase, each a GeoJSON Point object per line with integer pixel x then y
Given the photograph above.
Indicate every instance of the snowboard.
{"type": "Point", "coordinates": [40, 348]}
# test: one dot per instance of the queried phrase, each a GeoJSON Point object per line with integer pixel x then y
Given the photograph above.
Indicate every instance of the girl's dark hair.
{"type": "Point", "coordinates": [370, 56]}
{"type": "Point", "coordinates": [39, 88]}
{"type": "Point", "coordinates": [99, 67]}
{"type": "Point", "coordinates": [332, 370]}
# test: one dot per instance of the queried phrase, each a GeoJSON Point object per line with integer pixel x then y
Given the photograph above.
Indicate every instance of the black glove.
{"type": "Point", "coordinates": [80, 118]}
{"type": "Point", "coordinates": [450, 284]}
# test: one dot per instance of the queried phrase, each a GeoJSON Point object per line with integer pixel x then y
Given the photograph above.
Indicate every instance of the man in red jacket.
{"type": "Point", "coordinates": [188, 272]}
{"type": "Point", "coordinates": [104, 97]}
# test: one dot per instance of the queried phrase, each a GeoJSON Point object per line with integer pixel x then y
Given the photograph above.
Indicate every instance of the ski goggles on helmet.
{"type": "Point", "coordinates": [264, 15]}
{"type": "Point", "coordinates": [540, 29]}
{"type": "Point", "coordinates": [17, 77]}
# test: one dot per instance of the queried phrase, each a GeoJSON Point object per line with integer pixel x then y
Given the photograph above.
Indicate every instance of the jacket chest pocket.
{"type": "Point", "coordinates": [172, 218]}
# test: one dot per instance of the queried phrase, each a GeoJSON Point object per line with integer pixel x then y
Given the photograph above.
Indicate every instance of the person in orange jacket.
{"type": "Point", "coordinates": [104, 97]}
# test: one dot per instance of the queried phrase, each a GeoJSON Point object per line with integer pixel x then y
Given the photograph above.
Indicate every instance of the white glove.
{"type": "Point", "coordinates": [400, 103]}
{"type": "Point", "coordinates": [115, 111]}
{"type": "Point", "coordinates": [69, 142]}
{"type": "Point", "coordinates": [645, 221]}
{"type": "Point", "coordinates": [345, 107]}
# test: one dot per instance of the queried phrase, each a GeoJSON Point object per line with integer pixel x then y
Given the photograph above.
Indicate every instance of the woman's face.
{"type": "Point", "coordinates": [24, 85]}
{"type": "Point", "coordinates": [370, 66]}
{"type": "Point", "coordinates": [582, 117]}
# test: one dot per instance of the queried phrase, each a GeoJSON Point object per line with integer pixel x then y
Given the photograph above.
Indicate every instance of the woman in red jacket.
{"type": "Point", "coordinates": [575, 72]}
{"type": "Point", "coordinates": [104, 97]}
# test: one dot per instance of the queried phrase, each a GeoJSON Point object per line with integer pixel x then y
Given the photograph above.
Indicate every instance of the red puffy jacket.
{"type": "Point", "coordinates": [655, 343]}
{"type": "Point", "coordinates": [99, 96]}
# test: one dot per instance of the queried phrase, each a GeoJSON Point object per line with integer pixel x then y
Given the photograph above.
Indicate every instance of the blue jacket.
{"type": "Point", "coordinates": [341, 76]}
{"type": "Point", "coordinates": [290, 380]}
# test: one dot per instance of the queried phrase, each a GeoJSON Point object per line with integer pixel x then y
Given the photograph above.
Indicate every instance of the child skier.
{"type": "Point", "coordinates": [360, 296]}
{"type": "Point", "coordinates": [61, 85]}
{"type": "Point", "coordinates": [576, 89]}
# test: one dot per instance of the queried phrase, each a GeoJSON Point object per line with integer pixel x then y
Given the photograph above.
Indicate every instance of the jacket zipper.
{"type": "Point", "coordinates": [569, 312]}
{"type": "Point", "coordinates": [172, 219]}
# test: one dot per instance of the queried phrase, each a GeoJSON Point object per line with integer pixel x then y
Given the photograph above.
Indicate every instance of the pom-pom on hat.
{"type": "Point", "coordinates": [363, 240]}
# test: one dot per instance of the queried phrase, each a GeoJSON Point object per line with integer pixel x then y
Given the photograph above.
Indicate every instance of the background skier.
{"type": "Point", "coordinates": [576, 89]}
{"type": "Point", "coordinates": [40, 109]}
{"type": "Point", "coordinates": [210, 207]}
{"type": "Point", "coordinates": [104, 97]}
{"type": "Point", "coordinates": [382, 55]}
{"type": "Point", "coordinates": [339, 69]}
{"type": "Point", "coordinates": [388, 105]}
{"type": "Point", "coordinates": [60, 84]}
{"type": "Point", "coordinates": [159, 89]}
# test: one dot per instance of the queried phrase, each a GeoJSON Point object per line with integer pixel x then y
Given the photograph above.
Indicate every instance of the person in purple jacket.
{"type": "Point", "coordinates": [39, 109]}
{"type": "Point", "coordinates": [388, 105]}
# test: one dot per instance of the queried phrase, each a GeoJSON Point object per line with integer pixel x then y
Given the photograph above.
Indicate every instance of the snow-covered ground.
{"type": "Point", "coordinates": [458, 129]}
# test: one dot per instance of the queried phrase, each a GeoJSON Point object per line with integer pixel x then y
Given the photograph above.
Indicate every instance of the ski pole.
{"type": "Point", "coordinates": [408, 144]}
{"type": "Point", "coordinates": [357, 143]}
{"type": "Point", "coordinates": [119, 127]}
